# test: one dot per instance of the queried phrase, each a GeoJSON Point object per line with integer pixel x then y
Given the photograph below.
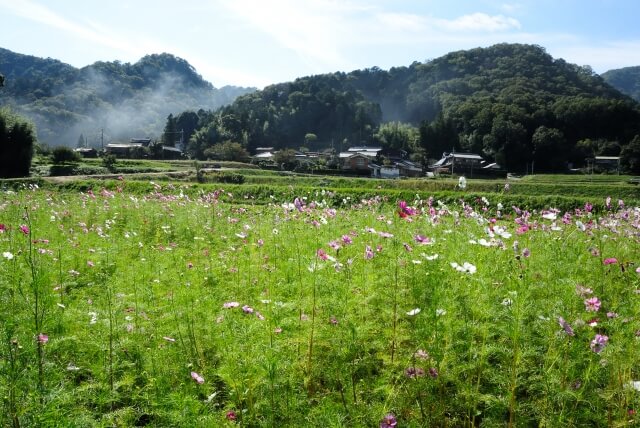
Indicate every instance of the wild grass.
{"type": "Point", "coordinates": [188, 305]}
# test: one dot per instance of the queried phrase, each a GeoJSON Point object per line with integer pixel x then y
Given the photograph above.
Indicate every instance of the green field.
{"type": "Point", "coordinates": [164, 303]}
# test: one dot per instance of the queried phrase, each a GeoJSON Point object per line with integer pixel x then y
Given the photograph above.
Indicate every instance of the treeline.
{"type": "Point", "coordinates": [511, 103]}
{"type": "Point", "coordinates": [125, 100]}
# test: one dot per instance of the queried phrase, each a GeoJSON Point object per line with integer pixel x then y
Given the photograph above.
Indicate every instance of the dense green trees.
{"type": "Point", "coordinates": [17, 141]}
{"type": "Point", "coordinates": [630, 156]}
{"type": "Point", "coordinates": [511, 103]}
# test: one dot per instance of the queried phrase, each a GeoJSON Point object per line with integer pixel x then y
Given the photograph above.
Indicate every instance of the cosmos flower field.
{"type": "Point", "coordinates": [175, 308]}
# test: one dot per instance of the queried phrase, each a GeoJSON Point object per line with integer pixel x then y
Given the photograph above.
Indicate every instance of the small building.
{"type": "Point", "coordinates": [606, 163]}
{"type": "Point", "coordinates": [123, 150]}
{"type": "Point", "coordinates": [355, 161]}
{"type": "Point", "coordinates": [402, 168]}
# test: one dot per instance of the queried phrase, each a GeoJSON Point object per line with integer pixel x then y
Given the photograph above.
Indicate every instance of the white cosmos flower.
{"type": "Point", "coordinates": [466, 267]}
{"type": "Point", "coordinates": [413, 312]}
{"type": "Point", "coordinates": [7, 255]}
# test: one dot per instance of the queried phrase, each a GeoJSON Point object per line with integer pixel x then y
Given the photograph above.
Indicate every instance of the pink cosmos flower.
{"type": "Point", "coordinates": [422, 240]}
{"type": "Point", "coordinates": [610, 261]}
{"type": "Point", "coordinates": [247, 309]}
{"type": "Point", "coordinates": [598, 343]}
{"type": "Point", "coordinates": [24, 229]}
{"type": "Point", "coordinates": [592, 304]}
{"type": "Point", "coordinates": [368, 253]}
{"type": "Point", "coordinates": [199, 379]}
{"type": "Point", "coordinates": [43, 338]}
{"type": "Point", "coordinates": [421, 354]}
{"type": "Point", "coordinates": [389, 421]}
{"type": "Point", "coordinates": [231, 415]}
{"type": "Point", "coordinates": [334, 245]}
{"type": "Point", "coordinates": [322, 254]}
{"type": "Point", "coordinates": [414, 372]}
{"type": "Point", "coordinates": [583, 291]}
{"type": "Point", "coordinates": [230, 305]}
{"type": "Point", "coordinates": [566, 326]}
{"type": "Point", "coordinates": [405, 210]}
{"type": "Point", "coordinates": [346, 239]}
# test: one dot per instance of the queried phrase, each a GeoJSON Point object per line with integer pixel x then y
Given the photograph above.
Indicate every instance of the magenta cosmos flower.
{"type": "Point", "coordinates": [566, 326]}
{"type": "Point", "coordinates": [389, 421]}
{"type": "Point", "coordinates": [610, 261]}
{"type": "Point", "coordinates": [598, 343]}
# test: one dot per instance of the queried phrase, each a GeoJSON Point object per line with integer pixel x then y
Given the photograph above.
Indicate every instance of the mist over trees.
{"type": "Point", "coordinates": [111, 99]}
{"type": "Point", "coordinates": [511, 103]}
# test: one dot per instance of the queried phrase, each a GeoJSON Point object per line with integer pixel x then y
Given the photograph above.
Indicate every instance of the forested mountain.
{"type": "Point", "coordinates": [125, 100]}
{"type": "Point", "coordinates": [511, 103]}
{"type": "Point", "coordinates": [626, 80]}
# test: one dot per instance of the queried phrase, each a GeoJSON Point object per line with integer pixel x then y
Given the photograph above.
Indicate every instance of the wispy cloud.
{"type": "Point", "coordinates": [311, 30]}
{"type": "Point", "coordinates": [479, 22]}
{"type": "Point", "coordinates": [87, 30]}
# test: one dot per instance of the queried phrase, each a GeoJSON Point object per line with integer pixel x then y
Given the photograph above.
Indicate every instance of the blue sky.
{"type": "Point", "coordinates": [259, 42]}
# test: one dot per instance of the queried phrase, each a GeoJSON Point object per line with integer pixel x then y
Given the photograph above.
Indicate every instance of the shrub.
{"type": "Point", "coordinates": [61, 155]}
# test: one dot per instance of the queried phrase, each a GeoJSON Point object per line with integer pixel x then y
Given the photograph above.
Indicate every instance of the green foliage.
{"type": "Point", "coordinates": [109, 161]}
{"type": "Point", "coordinates": [630, 156]}
{"type": "Point", "coordinates": [17, 141]}
{"type": "Point", "coordinates": [397, 136]}
{"type": "Point", "coordinates": [286, 159]}
{"type": "Point", "coordinates": [227, 151]}
{"type": "Point", "coordinates": [170, 134]}
{"type": "Point", "coordinates": [63, 154]}
{"type": "Point", "coordinates": [626, 80]}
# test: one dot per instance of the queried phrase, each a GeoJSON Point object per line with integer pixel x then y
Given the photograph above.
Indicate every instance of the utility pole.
{"type": "Point", "coordinates": [102, 139]}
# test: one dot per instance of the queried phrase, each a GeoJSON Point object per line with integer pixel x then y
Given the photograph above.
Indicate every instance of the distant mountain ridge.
{"type": "Point", "coordinates": [626, 80]}
{"type": "Point", "coordinates": [122, 100]}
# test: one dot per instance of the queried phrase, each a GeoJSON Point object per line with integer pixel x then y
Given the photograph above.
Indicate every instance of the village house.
{"type": "Point", "coordinates": [468, 164]}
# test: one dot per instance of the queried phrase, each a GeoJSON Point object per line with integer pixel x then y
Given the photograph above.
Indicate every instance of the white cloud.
{"type": "Point", "coordinates": [310, 29]}
{"type": "Point", "coordinates": [89, 32]}
{"type": "Point", "coordinates": [511, 8]}
{"type": "Point", "coordinates": [479, 22]}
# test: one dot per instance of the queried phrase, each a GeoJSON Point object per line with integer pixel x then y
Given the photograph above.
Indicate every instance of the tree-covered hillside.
{"type": "Point", "coordinates": [626, 80]}
{"type": "Point", "coordinates": [125, 100]}
{"type": "Point", "coordinates": [511, 103]}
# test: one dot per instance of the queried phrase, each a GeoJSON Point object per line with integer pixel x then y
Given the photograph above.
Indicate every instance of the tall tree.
{"type": "Point", "coordinates": [170, 135]}
{"type": "Point", "coordinates": [17, 141]}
